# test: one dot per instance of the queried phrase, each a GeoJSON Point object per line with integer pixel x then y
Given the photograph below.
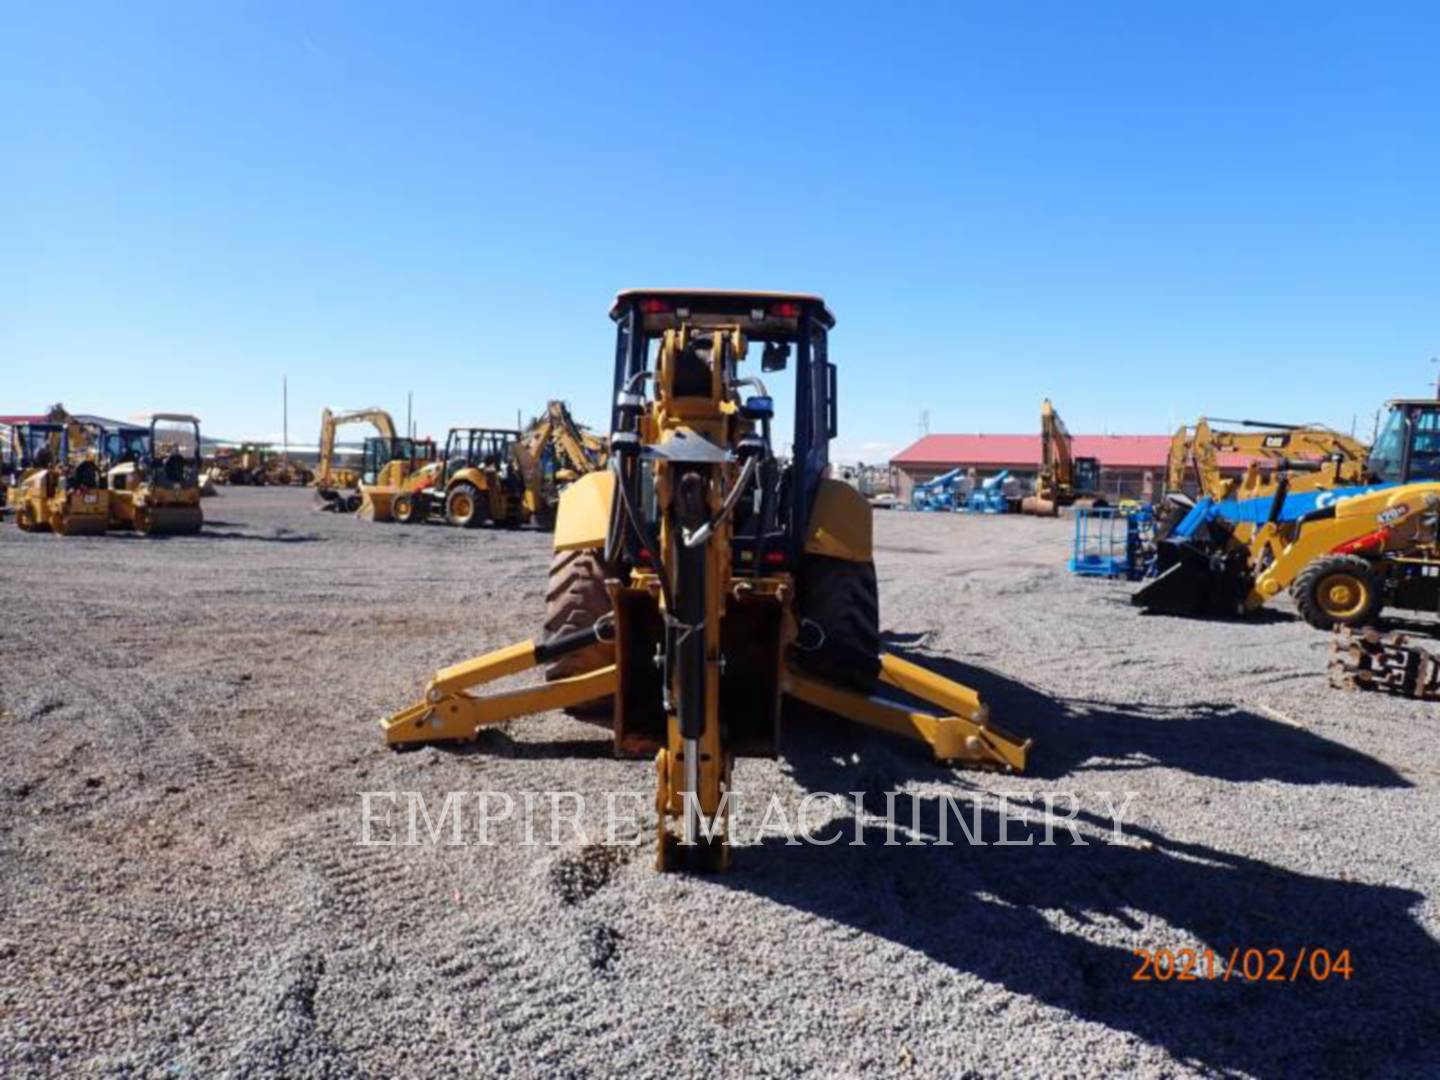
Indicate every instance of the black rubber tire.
{"type": "Point", "coordinates": [1313, 588]}
{"type": "Point", "coordinates": [352, 503]}
{"type": "Point", "coordinates": [574, 598]}
{"type": "Point", "coordinates": [405, 509]}
{"type": "Point", "coordinates": [841, 597]}
{"type": "Point", "coordinates": [460, 493]}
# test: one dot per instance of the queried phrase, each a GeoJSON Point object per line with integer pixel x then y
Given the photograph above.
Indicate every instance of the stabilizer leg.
{"type": "Point", "coordinates": [448, 713]}
{"type": "Point", "coordinates": [963, 733]}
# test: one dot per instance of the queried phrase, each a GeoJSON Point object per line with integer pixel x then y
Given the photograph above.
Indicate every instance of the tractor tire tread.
{"type": "Point", "coordinates": [575, 597]}
{"type": "Point", "coordinates": [843, 599]}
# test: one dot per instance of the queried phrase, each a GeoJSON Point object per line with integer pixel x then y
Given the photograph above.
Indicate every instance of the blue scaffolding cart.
{"type": "Point", "coordinates": [1111, 543]}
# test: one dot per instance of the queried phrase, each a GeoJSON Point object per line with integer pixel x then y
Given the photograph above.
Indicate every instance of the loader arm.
{"type": "Point", "coordinates": [1387, 521]}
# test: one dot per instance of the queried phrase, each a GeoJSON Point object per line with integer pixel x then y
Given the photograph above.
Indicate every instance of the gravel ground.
{"type": "Point", "coordinates": [193, 719]}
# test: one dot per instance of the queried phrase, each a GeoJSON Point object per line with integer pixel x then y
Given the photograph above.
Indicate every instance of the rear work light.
{"type": "Point", "coordinates": [785, 309]}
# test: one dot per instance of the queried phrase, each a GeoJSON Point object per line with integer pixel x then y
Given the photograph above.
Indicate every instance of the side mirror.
{"type": "Point", "coordinates": [775, 357]}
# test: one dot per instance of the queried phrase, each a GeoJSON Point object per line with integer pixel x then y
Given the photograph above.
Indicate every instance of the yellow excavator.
{"type": "Point", "coordinates": [483, 477]}
{"type": "Point", "coordinates": [1313, 456]}
{"type": "Point", "coordinates": [152, 475]}
{"type": "Point", "coordinates": [58, 486]}
{"type": "Point", "coordinates": [701, 578]}
{"type": "Point", "coordinates": [1063, 478]}
{"type": "Point", "coordinates": [336, 485]}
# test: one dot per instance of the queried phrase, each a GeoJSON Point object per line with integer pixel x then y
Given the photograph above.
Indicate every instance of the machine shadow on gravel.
{"type": "Point", "coordinates": [1021, 916]}
{"type": "Point", "coordinates": [1218, 741]}
{"type": "Point", "coordinates": [279, 538]}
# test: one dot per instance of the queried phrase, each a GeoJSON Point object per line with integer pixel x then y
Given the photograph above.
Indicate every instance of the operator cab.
{"type": "Point", "coordinates": [790, 330]}
{"type": "Point", "coordinates": [1408, 447]}
{"type": "Point", "coordinates": [380, 451]}
{"type": "Point", "coordinates": [124, 444]}
{"type": "Point", "coordinates": [481, 448]}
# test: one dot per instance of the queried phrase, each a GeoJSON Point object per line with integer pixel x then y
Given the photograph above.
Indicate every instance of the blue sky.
{"type": "Point", "coordinates": [1145, 211]}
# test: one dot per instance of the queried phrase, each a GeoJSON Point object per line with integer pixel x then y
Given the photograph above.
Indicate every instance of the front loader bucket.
{"type": "Point", "coordinates": [1194, 580]}
{"type": "Point", "coordinates": [375, 504]}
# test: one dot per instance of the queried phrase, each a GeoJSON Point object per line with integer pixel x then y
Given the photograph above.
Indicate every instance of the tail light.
{"type": "Point", "coordinates": [785, 309]}
{"type": "Point", "coordinates": [1374, 541]}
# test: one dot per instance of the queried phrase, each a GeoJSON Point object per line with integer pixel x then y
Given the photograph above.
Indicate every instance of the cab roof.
{"type": "Point", "coordinates": [722, 298]}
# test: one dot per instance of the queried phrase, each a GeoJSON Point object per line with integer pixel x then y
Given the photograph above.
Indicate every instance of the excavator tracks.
{"type": "Point", "coordinates": [1388, 663]}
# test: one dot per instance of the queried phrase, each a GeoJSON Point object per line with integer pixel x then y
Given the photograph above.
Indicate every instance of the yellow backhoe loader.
{"type": "Point", "coordinates": [390, 467]}
{"type": "Point", "coordinates": [337, 486]}
{"type": "Point", "coordinates": [153, 476]}
{"type": "Point", "coordinates": [1344, 553]}
{"type": "Point", "coordinates": [1063, 479]}
{"type": "Point", "coordinates": [559, 450]}
{"type": "Point", "coordinates": [700, 579]}
{"type": "Point", "coordinates": [482, 477]}
{"type": "Point", "coordinates": [58, 487]}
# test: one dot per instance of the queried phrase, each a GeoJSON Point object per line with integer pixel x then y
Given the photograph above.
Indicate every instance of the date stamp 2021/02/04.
{"type": "Point", "coordinates": [1254, 965]}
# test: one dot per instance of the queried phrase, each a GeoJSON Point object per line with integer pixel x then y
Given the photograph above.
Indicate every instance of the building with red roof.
{"type": "Point", "coordinates": [1131, 466]}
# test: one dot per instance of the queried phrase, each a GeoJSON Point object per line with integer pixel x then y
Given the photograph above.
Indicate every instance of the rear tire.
{"type": "Point", "coordinates": [1338, 590]}
{"type": "Point", "coordinates": [463, 506]}
{"type": "Point", "coordinates": [842, 599]}
{"type": "Point", "coordinates": [574, 598]}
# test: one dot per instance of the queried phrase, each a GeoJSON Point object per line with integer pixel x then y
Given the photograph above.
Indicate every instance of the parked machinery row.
{"type": "Point", "coordinates": [74, 478]}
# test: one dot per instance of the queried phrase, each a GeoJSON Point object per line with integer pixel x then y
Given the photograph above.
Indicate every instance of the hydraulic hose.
{"type": "Point", "coordinates": [700, 535]}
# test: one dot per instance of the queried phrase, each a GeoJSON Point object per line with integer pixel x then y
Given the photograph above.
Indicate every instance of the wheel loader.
{"type": "Point", "coordinates": [1344, 553]}
{"type": "Point", "coordinates": [58, 488]}
{"type": "Point", "coordinates": [153, 476]}
{"type": "Point", "coordinates": [701, 579]}
{"type": "Point", "coordinates": [480, 478]}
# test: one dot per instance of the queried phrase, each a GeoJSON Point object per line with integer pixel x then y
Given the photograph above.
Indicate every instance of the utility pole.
{"type": "Point", "coordinates": [285, 415]}
{"type": "Point", "coordinates": [409, 424]}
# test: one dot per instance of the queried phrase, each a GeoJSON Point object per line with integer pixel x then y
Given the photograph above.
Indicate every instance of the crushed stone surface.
{"type": "Point", "coordinates": [191, 721]}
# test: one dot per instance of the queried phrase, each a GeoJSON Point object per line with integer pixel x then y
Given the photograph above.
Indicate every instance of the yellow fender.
{"type": "Point", "coordinates": [841, 525]}
{"type": "Point", "coordinates": [584, 515]}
